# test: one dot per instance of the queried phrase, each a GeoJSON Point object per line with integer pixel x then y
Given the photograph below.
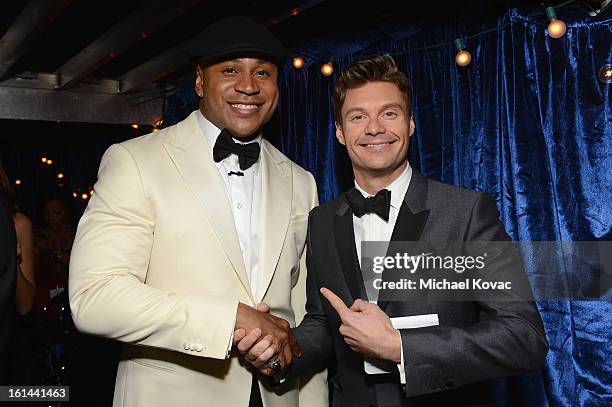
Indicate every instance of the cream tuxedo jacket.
{"type": "Point", "coordinates": [157, 265]}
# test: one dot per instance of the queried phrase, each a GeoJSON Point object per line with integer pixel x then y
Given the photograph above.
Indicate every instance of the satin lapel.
{"type": "Point", "coordinates": [276, 201]}
{"type": "Point", "coordinates": [194, 162]}
{"type": "Point", "coordinates": [344, 237]}
{"type": "Point", "coordinates": [408, 227]}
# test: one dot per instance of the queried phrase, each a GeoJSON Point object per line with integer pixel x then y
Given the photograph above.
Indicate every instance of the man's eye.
{"type": "Point", "coordinates": [262, 73]}
{"type": "Point", "coordinates": [390, 115]}
{"type": "Point", "coordinates": [357, 117]}
{"type": "Point", "coordinates": [230, 70]}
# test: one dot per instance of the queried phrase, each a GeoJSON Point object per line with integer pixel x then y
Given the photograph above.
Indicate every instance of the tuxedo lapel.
{"type": "Point", "coordinates": [344, 237]}
{"type": "Point", "coordinates": [409, 225]}
{"type": "Point", "coordinates": [194, 161]}
{"type": "Point", "coordinates": [276, 202]}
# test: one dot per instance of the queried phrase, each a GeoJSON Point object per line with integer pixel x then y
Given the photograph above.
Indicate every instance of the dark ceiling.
{"type": "Point", "coordinates": [132, 46]}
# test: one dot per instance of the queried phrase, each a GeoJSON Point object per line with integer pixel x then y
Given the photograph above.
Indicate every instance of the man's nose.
{"type": "Point", "coordinates": [246, 84]}
{"type": "Point", "coordinates": [374, 127]}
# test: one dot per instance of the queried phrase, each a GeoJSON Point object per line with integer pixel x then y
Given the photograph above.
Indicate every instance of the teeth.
{"type": "Point", "coordinates": [375, 145]}
{"type": "Point", "coordinates": [241, 106]}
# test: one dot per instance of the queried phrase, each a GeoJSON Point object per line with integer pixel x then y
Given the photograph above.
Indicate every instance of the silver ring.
{"type": "Point", "coordinates": [275, 365]}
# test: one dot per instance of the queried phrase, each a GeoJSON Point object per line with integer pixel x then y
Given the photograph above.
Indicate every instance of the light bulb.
{"type": "Point", "coordinates": [463, 57]}
{"type": "Point", "coordinates": [605, 74]}
{"type": "Point", "coordinates": [556, 28]}
{"type": "Point", "coordinates": [298, 62]}
{"type": "Point", "coordinates": [327, 69]}
{"type": "Point", "coordinates": [17, 182]}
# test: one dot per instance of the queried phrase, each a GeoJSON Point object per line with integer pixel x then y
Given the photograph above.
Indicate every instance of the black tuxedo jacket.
{"type": "Point", "coordinates": [8, 275]}
{"type": "Point", "coordinates": [446, 364]}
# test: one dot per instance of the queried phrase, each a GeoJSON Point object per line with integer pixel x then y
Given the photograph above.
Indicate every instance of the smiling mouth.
{"type": "Point", "coordinates": [245, 108]}
{"type": "Point", "coordinates": [378, 145]}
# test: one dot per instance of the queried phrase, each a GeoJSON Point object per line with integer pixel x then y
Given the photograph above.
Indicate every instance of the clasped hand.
{"type": "Point", "coordinates": [260, 333]}
{"type": "Point", "coordinates": [365, 327]}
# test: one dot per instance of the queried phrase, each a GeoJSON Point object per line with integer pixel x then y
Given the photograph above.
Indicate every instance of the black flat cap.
{"type": "Point", "coordinates": [237, 37]}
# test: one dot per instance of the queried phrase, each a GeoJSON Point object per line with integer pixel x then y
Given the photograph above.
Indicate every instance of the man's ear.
{"type": "Point", "coordinates": [411, 125]}
{"type": "Point", "coordinates": [199, 82]}
{"type": "Point", "coordinates": [340, 134]}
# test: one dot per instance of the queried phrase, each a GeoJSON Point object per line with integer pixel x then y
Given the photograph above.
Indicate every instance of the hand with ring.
{"type": "Point", "coordinates": [262, 353]}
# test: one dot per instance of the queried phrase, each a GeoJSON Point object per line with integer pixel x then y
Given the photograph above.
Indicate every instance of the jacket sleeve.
{"type": "Point", "coordinates": [108, 270]}
{"type": "Point", "coordinates": [508, 340]}
{"type": "Point", "coordinates": [313, 333]}
{"type": "Point", "coordinates": [313, 384]}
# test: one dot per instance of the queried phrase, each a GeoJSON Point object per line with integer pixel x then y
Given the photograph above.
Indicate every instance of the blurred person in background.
{"type": "Point", "coordinates": [26, 284]}
{"type": "Point", "coordinates": [21, 363]}
{"type": "Point", "coordinates": [8, 268]}
{"type": "Point", "coordinates": [52, 243]}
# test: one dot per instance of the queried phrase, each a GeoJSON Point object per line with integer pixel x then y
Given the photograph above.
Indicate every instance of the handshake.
{"type": "Point", "coordinates": [267, 343]}
{"type": "Point", "coordinates": [264, 340]}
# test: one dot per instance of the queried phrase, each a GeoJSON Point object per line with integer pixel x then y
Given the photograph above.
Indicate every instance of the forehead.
{"type": "Point", "coordinates": [372, 95]}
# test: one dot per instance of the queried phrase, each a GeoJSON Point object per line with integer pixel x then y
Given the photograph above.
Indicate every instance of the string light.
{"type": "Point", "coordinates": [556, 28]}
{"type": "Point", "coordinates": [158, 122]}
{"type": "Point", "coordinates": [135, 126]}
{"type": "Point", "coordinates": [84, 196]}
{"type": "Point", "coordinates": [327, 69]}
{"type": "Point", "coordinates": [298, 62]}
{"type": "Point", "coordinates": [91, 192]}
{"type": "Point", "coordinates": [463, 56]}
{"type": "Point", "coordinates": [605, 74]}
{"type": "Point", "coordinates": [60, 175]}
{"type": "Point", "coordinates": [74, 195]}
{"type": "Point", "coordinates": [467, 55]}
{"type": "Point", "coordinates": [49, 161]}
{"type": "Point", "coordinates": [44, 159]}
{"type": "Point", "coordinates": [17, 182]}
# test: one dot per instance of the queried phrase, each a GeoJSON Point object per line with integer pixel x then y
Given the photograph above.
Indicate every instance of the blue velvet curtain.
{"type": "Point", "coordinates": [527, 121]}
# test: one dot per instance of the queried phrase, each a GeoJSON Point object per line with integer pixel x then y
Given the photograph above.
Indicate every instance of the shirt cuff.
{"type": "Point", "coordinates": [400, 366]}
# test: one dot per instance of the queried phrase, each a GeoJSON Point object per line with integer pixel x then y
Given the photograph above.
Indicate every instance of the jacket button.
{"type": "Point", "coordinates": [192, 346]}
{"type": "Point", "coordinates": [198, 347]}
{"type": "Point", "coordinates": [185, 346]}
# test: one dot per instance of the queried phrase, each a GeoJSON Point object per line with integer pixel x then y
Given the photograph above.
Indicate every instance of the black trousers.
{"type": "Point", "coordinates": [255, 400]}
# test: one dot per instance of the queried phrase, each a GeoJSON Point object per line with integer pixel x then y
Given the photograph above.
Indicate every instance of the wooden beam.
{"type": "Point", "coordinates": [26, 26]}
{"type": "Point", "coordinates": [124, 35]}
{"type": "Point", "coordinates": [71, 106]}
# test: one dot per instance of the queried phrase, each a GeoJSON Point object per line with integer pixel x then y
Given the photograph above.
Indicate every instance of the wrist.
{"type": "Point", "coordinates": [394, 347]}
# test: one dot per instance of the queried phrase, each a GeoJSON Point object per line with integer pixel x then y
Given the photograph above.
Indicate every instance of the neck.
{"type": "Point", "coordinates": [372, 183]}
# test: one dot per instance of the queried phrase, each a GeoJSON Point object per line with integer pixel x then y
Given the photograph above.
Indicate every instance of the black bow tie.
{"type": "Point", "coordinates": [378, 204]}
{"type": "Point", "coordinates": [248, 154]}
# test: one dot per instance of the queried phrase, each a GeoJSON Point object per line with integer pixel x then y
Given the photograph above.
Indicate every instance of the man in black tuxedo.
{"type": "Point", "coordinates": [475, 341]}
{"type": "Point", "coordinates": [8, 278]}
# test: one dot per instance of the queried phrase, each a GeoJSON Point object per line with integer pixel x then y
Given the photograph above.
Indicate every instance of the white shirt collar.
{"type": "Point", "coordinates": [398, 187]}
{"type": "Point", "coordinates": [211, 132]}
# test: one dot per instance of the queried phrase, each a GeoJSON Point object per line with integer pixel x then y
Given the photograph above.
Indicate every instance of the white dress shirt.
{"type": "Point", "coordinates": [244, 194]}
{"type": "Point", "coordinates": [372, 228]}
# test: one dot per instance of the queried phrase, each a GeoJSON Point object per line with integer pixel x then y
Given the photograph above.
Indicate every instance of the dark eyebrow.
{"type": "Point", "coordinates": [353, 110]}
{"type": "Point", "coordinates": [393, 105]}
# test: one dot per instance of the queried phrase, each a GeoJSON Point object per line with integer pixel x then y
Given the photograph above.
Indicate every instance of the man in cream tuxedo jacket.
{"type": "Point", "coordinates": [183, 238]}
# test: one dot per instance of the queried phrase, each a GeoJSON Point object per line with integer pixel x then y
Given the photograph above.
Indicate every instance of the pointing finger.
{"type": "Point", "coordinates": [335, 302]}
